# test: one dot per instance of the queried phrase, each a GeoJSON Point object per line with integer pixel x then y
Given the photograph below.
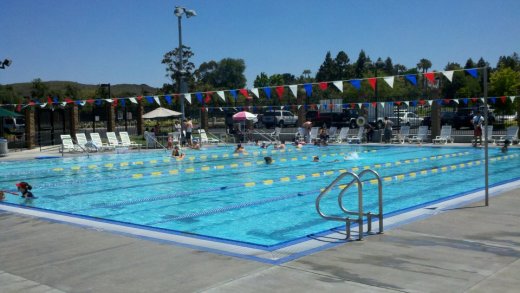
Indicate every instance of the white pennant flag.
{"type": "Point", "coordinates": [482, 99]}
{"type": "Point", "coordinates": [109, 100]}
{"type": "Point", "coordinates": [188, 97]}
{"type": "Point", "coordinates": [294, 90]}
{"type": "Point", "coordinates": [382, 105]}
{"type": "Point", "coordinates": [43, 105]}
{"type": "Point", "coordinates": [299, 106]}
{"type": "Point", "coordinates": [63, 104]}
{"type": "Point", "coordinates": [255, 92]}
{"type": "Point", "coordinates": [133, 100]}
{"type": "Point", "coordinates": [221, 95]}
{"type": "Point", "coordinates": [360, 105]}
{"type": "Point", "coordinates": [430, 102]}
{"type": "Point", "coordinates": [448, 74]}
{"type": "Point", "coordinates": [456, 101]}
{"type": "Point", "coordinates": [82, 103]}
{"type": "Point", "coordinates": [156, 98]}
{"type": "Point", "coordinates": [512, 98]}
{"type": "Point", "coordinates": [220, 108]}
{"type": "Point", "coordinates": [318, 106]}
{"type": "Point", "coordinates": [407, 103]}
{"type": "Point", "coordinates": [389, 80]}
{"type": "Point", "coordinates": [338, 85]}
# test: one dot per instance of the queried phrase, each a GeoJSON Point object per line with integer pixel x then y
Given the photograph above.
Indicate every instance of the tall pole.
{"type": "Point", "coordinates": [486, 154]}
{"type": "Point", "coordinates": [376, 97]}
{"type": "Point", "coordinates": [182, 89]}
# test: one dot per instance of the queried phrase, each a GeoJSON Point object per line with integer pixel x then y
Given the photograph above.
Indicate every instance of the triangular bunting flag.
{"type": "Point", "coordinates": [149, 99]}
{"type": "Point", "coordinates": [133, 100]}
{"type": "Point", "coordinates": [294, 90]}
{"type": "Point", "coordinates": [448, 74]}
{"type": "Point", "coordinates": [338, 84]}
{"type": "Point", "coordinates": [503, 99]}
{"type": "Point", "coordinates": [255, 92]}
{"type": "Point", "coordinates": [207, 100]}
{"type": "Point", "coordinates": [168, 99]}
{"type": "Point", "coordinates": [472, 72]}
{"type": "Point", "coordinates": [430, 102]}
{"type": "Point", "coordinates": [308, 89]}
{"type": "Point", "coordinates": [122, 101]}
{"type": "Point", "coordinates": [382, 105]}
{"type": "Point", "coordinates": [156, 98]}
{"type": "Point", "coordinates": [43, 105]}
{"type": "Point", "coordinates": [267, 91]}
{"type": "Point", "coordinates": [356, 83]}
{"type": "Point", "coordinates": [244, 93]}
{"type": "Point", "coordinates": [412, 79]}
{"type": "Point", "coordinates": [188, 97]}
{"type": "Point", "coordinates": [199, 97]}
{"type": "Point", "coordinates": [372, 81]}
{"type": "Point", "coordinates": [512, 98]}
{"type": "Point", "coordinates": [221, 95]}
{"type": "Point", "coordinates": [407, 103]}
{"type": "Point", "coordinates": [279, 91]}
{"type": "Point", "coordinates": [456, 101]}
{"type": "Point", "coordinates": [430, 76]}
{"type": "Point", "coordinates": [389, 80]}
{"type": "Point", "coordinates": [234, 94]}
{"type": "Point", "coordinates": [493, 100]}
{"type": "Point", "coordinates": [323, 85]}
{"type": "Point", "coordinates": [483, 100]}
{"type": "Point", "coordinates": [109, 100]}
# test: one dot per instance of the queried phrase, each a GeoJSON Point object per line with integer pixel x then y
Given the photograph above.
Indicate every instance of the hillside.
{"type": "Point", "coordinates": [24, 89]}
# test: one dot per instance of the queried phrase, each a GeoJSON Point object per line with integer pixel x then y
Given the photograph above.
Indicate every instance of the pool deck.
{"type": "Point", "coordinates": [468, 249]}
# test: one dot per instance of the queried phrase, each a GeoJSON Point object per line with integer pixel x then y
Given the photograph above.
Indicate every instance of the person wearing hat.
{"type": "Point", "coordinates": [24, 188]}
{"type": "Point", "coordinates": [176, 153]}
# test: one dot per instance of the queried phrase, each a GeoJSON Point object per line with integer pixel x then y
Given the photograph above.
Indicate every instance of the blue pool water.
{"type": "Point", "coordinates": [218, 194]}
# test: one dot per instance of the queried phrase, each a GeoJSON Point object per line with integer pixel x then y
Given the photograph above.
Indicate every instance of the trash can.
{"type": "Point", "coordinates": [3, 147]}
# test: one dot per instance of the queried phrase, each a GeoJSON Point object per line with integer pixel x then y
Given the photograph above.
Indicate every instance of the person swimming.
{"type": "Point", "coordinates": [315, 159]}
{"type": "Point", "coordinates": [268, 160]}
{"type": "Point", "coordinates": [240, 148]}
{"type": "Point", "coordinates": [24, 188]}
{"type": "Point", "coordinates": [176, 153]}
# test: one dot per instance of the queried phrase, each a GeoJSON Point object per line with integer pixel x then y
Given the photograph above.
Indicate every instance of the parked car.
{"type": "Point", "coordinates": [279, 118]}
{"type": "Point", "coordinates": [345, 118]}
{"type": "Point", "coordinates": [401, 119]}
{"type": "Point", "coordinates": [446, 119]}
{"type": "Point", "coordinates": [464, 118]}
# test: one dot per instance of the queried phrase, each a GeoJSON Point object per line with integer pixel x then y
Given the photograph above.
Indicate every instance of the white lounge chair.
{"type": "Point", "coordinates": [276, 134]}
{"type": "Point", "coordinates": [402, 136]}
{"type": "Point", "coordinates": [95, 138]}
{"type": "Point", "coordinates": [445, 135]}
{"type": "Point", "coordinates": [151, 141]}
{"type": "Point", "coordinates": [357, 138]}
{"type": "Point", "coordinates": [204, 137]}
{"type": "Point", "coordinates": [81, 140]}
{"type": "Point", "coordinates": [487, 133]}
{"type": "Point", "coordinates": [300, 135]}
{"type": "Point", "coordinates": [314, 134]}
{"type": "Point", "coordinates": [333, 133]}
{"type": "Point", "coordinates": [126, 142]}
{"type": "Point", "coordinates": [67, 144]}
{"type": "Point", "coordinates": [112, 139]}
{"type": "Point", "coordinates": [343, 134]}
{"type": "Point", "coordinates": [511, 135]}
{"type": "Point", "coordinates": [421, 136]}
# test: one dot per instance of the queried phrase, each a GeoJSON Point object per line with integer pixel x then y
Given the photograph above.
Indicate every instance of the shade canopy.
{"type": "Point", "coordinates": [244, 115]}
{"type": "Point", "coordinates": [160, 113]}
{"type": "Point", "coordinates": [6, 113]}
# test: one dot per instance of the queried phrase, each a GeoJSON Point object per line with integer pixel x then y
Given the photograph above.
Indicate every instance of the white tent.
{"type": "Point", "coordinates": [161, 112]}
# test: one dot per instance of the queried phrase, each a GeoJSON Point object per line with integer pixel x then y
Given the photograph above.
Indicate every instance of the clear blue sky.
{"type": "Point", "coordinates": [123, 41]}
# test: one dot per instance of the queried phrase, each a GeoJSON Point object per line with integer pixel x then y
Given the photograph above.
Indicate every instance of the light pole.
{"type": "Point", "coordinates": [379, 62]}
{"type": "Point", "coordinates": [5, 63]}
{"type": "Point", "coordinates": [179, 11]}
{"type": "Point", "coordinates": [107, 85]}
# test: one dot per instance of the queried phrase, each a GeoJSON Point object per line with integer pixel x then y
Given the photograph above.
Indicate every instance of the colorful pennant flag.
{"type": "Point", "coordinates": [472, 72]}
{"type": "Point", "coordinates": [255, 92]}
{"type": "Point", "coordinates": [188, 97]}
{"type": "Point", "coordinates": [372, 81]}
{"type": "Point", "coordinates": [156, 98]}
{"type": "Point", "coordinates": [356, 83]}
{"type": "Point", "coordinates": [308, 89]}
{"type": "Point", "coordinates": [267, 91]}
{"type": "Point", "coordinates": [412, 79]}
{"type": "Point", "coordinates": [279, 91]}
{"type": "Point", "coordinates": [448, 74]}
{"type": "Point", "coordinates": [294, 90]}
{"type": "Point", "coordinates": [389, 80]}
{"type": "Point", "coordinates": [221, 95]}
{"type": "Point", "coordinates": [338, 84]}
{"type": "Point", "coordinates": [323, 85]}
{"type": "Point", "coordinates": [430, 76]}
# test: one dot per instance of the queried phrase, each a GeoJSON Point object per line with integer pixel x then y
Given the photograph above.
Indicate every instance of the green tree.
{"type": "Point", "coordinates": [424, 65]}
{"type": "Point", "coordinates": [174, 66]}
{"type": "Point", "coordinates": [469, 64]}
{"type": "Point", "coordinates": [359, 66]}
{"type": "Point", "coordinates": [505, 82]}
{"type": "Point", "coordinates": [229, 74]}
{"type": "Point", "coordinates": [389, 66]}
{"type": "Point", "coordinates": [261, 80]}
{"type": "Point", "coordinates": [343, 69]}
{"type": "Point", "coordinates": [512, 62]}
{"type": "Point", "coordinates": [288, 78]}
{"type": "Point", "coordinates": [39, 89]}
{"type": "Point", "coordinates": [276, 79]}
{"type": "Point", "coordinates": [327, 69]}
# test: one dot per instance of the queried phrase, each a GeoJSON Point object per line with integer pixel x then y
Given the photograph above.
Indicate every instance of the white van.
{"type": "Point", "coordinates": [13, 124]}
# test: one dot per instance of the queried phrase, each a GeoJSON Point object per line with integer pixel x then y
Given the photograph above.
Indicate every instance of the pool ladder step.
{"type": "Point", "coordinates": [354, 216]}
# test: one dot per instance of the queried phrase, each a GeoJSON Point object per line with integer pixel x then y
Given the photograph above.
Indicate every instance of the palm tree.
{"type": "Point", "coordinates": [307, 73]}
{"type": "Point", "coordinates": [424, 64]}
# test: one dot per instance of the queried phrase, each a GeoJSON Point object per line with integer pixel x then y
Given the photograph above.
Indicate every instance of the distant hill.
{"type": "Point", "coordinates": [24, 89]}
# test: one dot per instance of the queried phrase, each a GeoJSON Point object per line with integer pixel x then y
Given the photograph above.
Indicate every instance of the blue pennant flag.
{"type": "Point", "coordinates": [472, 72]}
{"type": "Point", "coordinates": [270, 108]}
{"type": "Point", "coordinates": [356, 83]}
{"type": "Point", "coordinates": [168, 99]}
{"type": "Point", "coordinates": [391, 104]}
{"type": "Point", "coordinates": [414, 103]}
{"type": "Point", "coordinates": [308, 89]}
{"type": "Point", "coordinates": [465, 100]}
{"type": "Point", "coordinates": [99, 102]}
{"type": "Point", "coordinates": [234, 93]}
{"type": "Point", "coordinates": [55, 100]}
{"type": "Point", "coordinates": [239, 109]}
{"type": "Point", "coordinates": [306, 107]}
{"type": "Point", "coordinates": [439, 102]}
{"type": "Point", "coordinates": [78, 102]}
{"type": "Point", "coordinates": [345, 106]}
{"type": "Point", "coordinates": [267, 91]}
{"type": "Point", "coordinates": [150, 99]}
{"type": "Point", "coordinates": [412, 79]}
{"type": "Point", "coordinates": [122, 102]}
{"type": "Point", "coordinates": [366, 105]}
{"type": "Point", "coordinates": [199, 97]}
{"type": "Point", "coordinates": [324, 106]}
{"type": "Point", "coordinates": [493, 100]}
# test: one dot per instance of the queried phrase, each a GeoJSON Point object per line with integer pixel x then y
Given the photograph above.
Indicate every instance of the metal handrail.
{"type": "Point", "coordinates": [380, 201]}
{"type": "Point", "coordinates": [347, 220]}
{"type": "Point", "coordinates": [157, 142]}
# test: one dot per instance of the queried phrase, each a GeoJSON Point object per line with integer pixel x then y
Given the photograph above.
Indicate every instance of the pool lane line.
{"type": "Point", "coordinates": [395, 177]}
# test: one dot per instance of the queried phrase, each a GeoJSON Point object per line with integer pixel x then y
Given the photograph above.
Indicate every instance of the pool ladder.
{"type": "Point", "coordinates": [356, 180]}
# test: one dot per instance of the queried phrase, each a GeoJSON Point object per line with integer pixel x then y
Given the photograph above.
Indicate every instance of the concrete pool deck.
{"type": "Point", "coordinates": [467, 249]}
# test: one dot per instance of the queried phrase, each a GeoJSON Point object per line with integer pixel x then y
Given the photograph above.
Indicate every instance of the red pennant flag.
{"type": "Point", "coordinates": [474, 100]}
{"type": "Point", "coordinates": [114, 103]}
{"type": "Point", "coordinates": [244, 92]}
{"type": "Point", "coordinates": [352, 105]}
{"type": "Point", "coordinates": [372, 81]}
{"type": "Point", "coordinates": [446, 101]}
{"type": "Point", "coordinates": [19, 108]}
{"type": "Point", "coordinates": [323, 85]}
{"type": "Point", "coordinates": [90, 101]}
{"type": "Point", "coordinates": [398, 103]}
{"type": "Point", "coordinates": [68, 100]}
{"type": "Point", "coordinates": [430, 76]}
{"type": "Point", "coordinates": [503, 99]}
{"type": "Point", "coordinates": [49, 100]}
{"type": "Point", "coordinates": [279, 91]}
{"type": "Point", "coordinates": [203, 109]}
{"type": "Point", "coordinates": [422, 102]}
{"type": "Point", "coordinates": [139, 98]}
{"type": "Point", "coordinates": [374, 104]}
{"type": "Point", "coordinates": [208, 97]}
{"type": "Point", "coordinates": [31, 103]}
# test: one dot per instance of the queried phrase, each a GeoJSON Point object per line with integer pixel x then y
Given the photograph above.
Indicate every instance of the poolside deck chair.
{"type": "Point", "coordinates": [487, 133]}
{"type": "Point", "coordinates": [333, 133]}
{"type": "Point", "coordinates": [67, 144]}
{"type": "Point", "coordinates": [402, 136]}
{"type": "Point", "coordinates": [343, 134]}
{"type": "Point", "coordinates": [126, 142]}
{"type": "Point", "coordinates": [422, 133]}
{"type": "Point", "coordinates": [95, 139]}
{"type": "Point", "coordinates": [314, 134]}
{"type": "Point", "coordinates": [112, 139]}
{"type": "Point", "coordinates": [151, 141]}
{"type": "Point", "coordinates": [357, 138]}
{"type": "Point", "coordinates": [276, 134]}
{"type": "Point", "coordinates": [511, 135]}
{"type": "Point", "coordinates": [81, 140]}
{"type": "Point", "coordinates": [205, 139]}
{"type": "Point", "coordinates": [445, 135]}
{"type": "Point", "coordinates": [300, 134]}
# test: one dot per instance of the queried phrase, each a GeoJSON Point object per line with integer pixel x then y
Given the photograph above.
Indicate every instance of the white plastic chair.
{"type": "Point", "coordinates": [422, 133]}
{"type": "Point", "coordinates": [343, 134]}
{"type": "Point", "coordinates": [445, 135]}
{"type": "Point", "coordinates": [511, 135]}
{"type": "Point", "coordinates": [126, 142]}
{"type": "Point", "coordinates": [81, 139]}
{"type": "Point", "coordinates": [357, 138]}
{"type": "Point", "coordinates": [276, 134]}
{"type": "Point", "coordinates": [205, 139]}
{"type": "Point", "coordinates": [67, 144]}
{"type": "Point", "coordinates": [402, 136]}
{"type": "Point", "coordinates": [333, 133]}
{"type": "Point", "coordinates": [95, 138]}
{"type": "Point", "coordinates": [314, 133]}
{"type": "Point", "coordinates": [112, 139]}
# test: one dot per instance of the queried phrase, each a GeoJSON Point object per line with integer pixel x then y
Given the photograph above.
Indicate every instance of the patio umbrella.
{"type": "Point", "coordinates": [243, 116]}
{"type": "Point", "coordinates": [160, 113]}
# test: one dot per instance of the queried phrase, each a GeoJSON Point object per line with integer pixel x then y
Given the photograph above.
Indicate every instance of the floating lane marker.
{"type": "Point", "coordinates": [219, 167]}
{"type": "Point", "coordinates": [268, 182]}
{"type": "Point", "coordinates": [166, 160]}
{"type": "Point", "coordinates": [315, 174]}
{"type": "Point", "coordinates": [412, 174]}
{"type": "Point", "coordinates": [205, 168]}
{"type": "Point", "coordinates": [249, 184]}
{"type": "Point", "coordinates": [285, 179]}
{"type": "Point", "coordinates": [75, 168]}
{"type": "Point", "coordinates": [123, 164]}
{"type": "Point", "coordinates": [247, 164]}
{"type": "Point", "coordinates": [156, 173]}
{"type": "Point", "coordinates": [374, 181]}
{"type": "Point", "coordinates": [300, 177]}
{"type": "Point", "coordinates": [153, 162]}
{"type": "Point", "coordinates": [92, 166]}
{"type": "Point", "coordinates": [109, 165]}
{"type": "Point", "coordinates": [57, 169]}
{"type": "Point", "coordinates": [190, 170]}
{"type": "Point", "coordinates": [137, 176]}
{"type": "Point", "coordinates": [233, 165]}
{"type": "Point", "coordinates": [174, 172]}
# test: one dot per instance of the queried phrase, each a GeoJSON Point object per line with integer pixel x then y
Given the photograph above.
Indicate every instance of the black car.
{"type": "Point", "coordinates": [347, 117]}
{"type": "Point", "coordinates": [446, 119]}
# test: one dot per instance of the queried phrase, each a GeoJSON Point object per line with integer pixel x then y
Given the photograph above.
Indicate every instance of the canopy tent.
{"type": "Point", "coordinates": [6, 113]}
{"type": "Point", "coordinates": [160, 113]}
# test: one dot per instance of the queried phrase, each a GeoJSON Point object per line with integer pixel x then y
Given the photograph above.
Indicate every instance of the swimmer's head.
{"type": "Point", "coordinates": [315, 159]}
{"type": "Point", "coordinates": [268, 160]}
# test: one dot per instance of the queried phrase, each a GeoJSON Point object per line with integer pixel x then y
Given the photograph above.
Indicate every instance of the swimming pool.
{"type": "Point", "coordinates": [237, 198]}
